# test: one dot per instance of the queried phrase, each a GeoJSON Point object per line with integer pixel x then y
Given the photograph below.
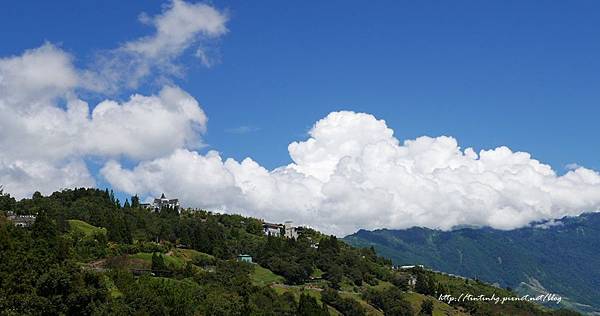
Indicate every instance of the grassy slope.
{"type": "Point", "coordinates": [189, 254]}
{"type": "Point", "coordinates": [261, 276]}
{"type": "Point", "coordinates": [439, 308]}
{"type": "Point", "coordinates": [297, 290]}
{"type": "Point", "coordinates": [87, 229]}
{"type": "Point", "coordinates": [171, 261]}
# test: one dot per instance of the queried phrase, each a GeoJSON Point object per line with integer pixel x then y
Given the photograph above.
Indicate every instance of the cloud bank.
{"type": "Point", "coordinates": [351, 173]}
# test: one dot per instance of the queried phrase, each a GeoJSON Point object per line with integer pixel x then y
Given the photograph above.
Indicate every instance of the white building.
{"type": "Point", "coordinates": [21, 220]}
{"type": "Point", "coordinates": [271, 229]}
{"type": "Point", "coordinates": [290, 231]}
{"type": "Point", "coordinates": [411, 267]}
{"type": "Point", "coordinates": [163, 202]}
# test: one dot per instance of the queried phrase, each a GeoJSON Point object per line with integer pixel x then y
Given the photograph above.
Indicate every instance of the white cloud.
{"type": "Point", "coordinates": [46, 130]}
{"type": "Point", "coordinates": [21, 177]}
{"type": "Point", "coordinates": [181, 26]}
{"type": "Point", "coordinates": [244, 129]}
{"type": "Point", "coordinates": [144, 127]}
{"type": "Point", "coordinates": [37, 76]}
{"type": "Point", "coordinates": [353, 173]}
{"type": "Point", "coordinates": [177, 28]}
{"type": "Point", "coordinates": [548, 224]}
{"type": "Point", "coordinates": [38, 145]}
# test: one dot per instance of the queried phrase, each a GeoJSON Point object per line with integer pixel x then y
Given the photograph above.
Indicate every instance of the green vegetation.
{"type": "Point", "coordinates": [170, 261]}
{"type": "Point", "coordinates": [261, 276]}
{"type": "Point", "coordinates": [439, 308]}
{"type": "Point", "coordinates": [85, 228]}
{"type": "Point", "coordinates": [165, 263]}
{"type": "Point", "coordinates": [559, 259]}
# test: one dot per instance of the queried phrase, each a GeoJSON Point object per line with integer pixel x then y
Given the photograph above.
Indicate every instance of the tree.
{"type": "Point", "coordinates": [7, 203]}
{"type": "Point", "coordinates": [158, 262]}
{"type": "Point", "coordinates": [426, 307]}
{"type": "Point", "coordinates": [424, 284]}
{"type": "Point", "coordinates": [345, 305]}
{"type": "Point", "coordinates": [390, 300]}
{"type": "Point", "coordinates": [135, 201]}
{"type": "Point", "coordinates": [218, 301]}
{"type": "Point", "coordinates": [334, 275]}
{"type": "Point", "coordinates": [44, 228]}
{"type": "Point", "coordinates": [36, 195]}
{"type": "Point", "coordinates": [308, 306]}
{"type": "Point", "coordinates": [401, 281]}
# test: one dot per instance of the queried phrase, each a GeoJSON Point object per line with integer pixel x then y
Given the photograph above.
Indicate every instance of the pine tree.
{"type": "Point", "coordinates": [135, 201]}
{"type": "Point", "coordinates": [158, 262]}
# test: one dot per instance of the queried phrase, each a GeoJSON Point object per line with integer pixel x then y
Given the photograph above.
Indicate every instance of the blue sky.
{"type": "Point", "coordinates": [519, 73]}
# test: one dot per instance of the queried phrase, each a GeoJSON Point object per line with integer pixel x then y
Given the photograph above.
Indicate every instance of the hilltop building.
{"type": "Point", "coordinates": [162, 202]}
{"type": "Point", "coordinates": [287, 229]}
{"type": "Point", "coordinates": [271, 229]}
{"type": "Point", "coordinates": [290, 231]}
{"type": "Point", "coordinates": [24, 221]}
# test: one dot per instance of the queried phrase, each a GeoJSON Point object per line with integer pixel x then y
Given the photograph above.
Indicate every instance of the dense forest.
{"type": "Point", "coordinates": [89, 254]}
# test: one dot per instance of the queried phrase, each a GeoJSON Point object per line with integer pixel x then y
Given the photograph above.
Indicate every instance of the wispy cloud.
{"type": "Point", "coordinates": [181, 26]}
{"type": "Point", "coordinates": [244, 129]}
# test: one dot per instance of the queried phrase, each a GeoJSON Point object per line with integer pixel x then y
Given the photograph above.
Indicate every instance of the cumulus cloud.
{"type": "Point", "coordinates": [37, 76]}
{"type": "Point", "coordinates": [47, 131]}
{"type": "Point", "coordinates": [353, 173]}
{"type": "Point", "coordinates": [143, 127]}
{"type": "Point", "coordinates": [181, 26]}
{"type": "Point", "coordinates": [20, 177]}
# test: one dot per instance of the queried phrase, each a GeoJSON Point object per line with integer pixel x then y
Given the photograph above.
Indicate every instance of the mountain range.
{"type": "Point", "coordinates": [558, 256]}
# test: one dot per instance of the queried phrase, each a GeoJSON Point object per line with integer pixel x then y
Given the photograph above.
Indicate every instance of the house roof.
{"type": "Point", "coordinates": [271, 225]}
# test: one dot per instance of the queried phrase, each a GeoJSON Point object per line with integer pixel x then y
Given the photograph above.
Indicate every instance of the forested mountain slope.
{"type": "Point", "coordinates": [560, 257]}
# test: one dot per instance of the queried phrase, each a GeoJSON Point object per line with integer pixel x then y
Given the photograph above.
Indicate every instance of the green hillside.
{"type": "Point", "coordinates": [87, 229]}
{"type": "Point", "coordinates": [261, 276]}
{"type": "Point", "coordinates": [560, 259]}
{"type": "Point", "coordinates": [171, 263]}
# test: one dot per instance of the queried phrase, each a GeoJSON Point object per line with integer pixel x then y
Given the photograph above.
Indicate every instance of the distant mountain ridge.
{"type": "Point", "coordinates": [559, 256]}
